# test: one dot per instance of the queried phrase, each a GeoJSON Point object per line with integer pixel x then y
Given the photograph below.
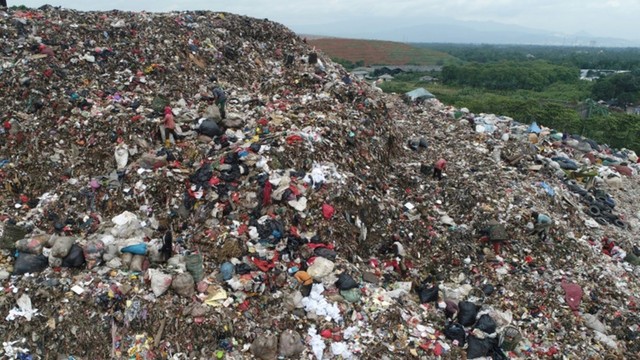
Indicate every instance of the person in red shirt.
{"type": "Point", "coordinates": [169, 126]}
{"type": "Point", "coordinates": [438, 168]}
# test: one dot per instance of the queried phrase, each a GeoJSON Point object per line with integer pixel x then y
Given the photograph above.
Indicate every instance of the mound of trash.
{"type": "Point", "coordinates": [198, 185]}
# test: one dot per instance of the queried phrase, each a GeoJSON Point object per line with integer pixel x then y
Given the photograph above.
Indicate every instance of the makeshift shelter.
{"type": "Point", "coordinates": [419, 94]}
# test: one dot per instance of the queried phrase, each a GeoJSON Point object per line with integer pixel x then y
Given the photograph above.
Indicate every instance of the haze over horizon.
{"type": "Point", "coordinates": [597, 19]}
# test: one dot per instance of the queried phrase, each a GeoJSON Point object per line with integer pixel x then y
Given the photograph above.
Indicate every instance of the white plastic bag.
{"type": "Point", "coordinates": [122, 156]}
{"type": "Point", "coordinates": [160, 282]}
{"type": "Point", "coordinates": [320, 268]}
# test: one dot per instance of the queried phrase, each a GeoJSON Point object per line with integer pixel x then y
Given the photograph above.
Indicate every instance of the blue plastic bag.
{"type": "Point", "coordinates": [137, 249]}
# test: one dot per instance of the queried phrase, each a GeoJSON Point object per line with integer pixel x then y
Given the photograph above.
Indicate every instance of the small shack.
{"type": "Point", "coordinates": [418, 95]}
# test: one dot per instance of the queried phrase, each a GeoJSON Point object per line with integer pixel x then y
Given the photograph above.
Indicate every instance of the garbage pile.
{"type": "Point", "coordinates": [302, 214]}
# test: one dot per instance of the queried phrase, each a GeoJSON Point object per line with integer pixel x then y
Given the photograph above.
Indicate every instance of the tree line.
{"type": "Point", "coordinates": [509, 75]}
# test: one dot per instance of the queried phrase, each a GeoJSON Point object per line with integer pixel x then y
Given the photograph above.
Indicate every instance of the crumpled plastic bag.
{"type": "Point", "coordinates": [75, 257]}
{"type": "Point", "coordinates": [136, 249]}
{"type": "Point", "coordinates": [121, 154]}
{"type": "Point", "coordinates": [328, 211]}
{"type": "Point", "coordinates": [137, 263]}
{"type": "Point", "coordinates": [467, 312]}
{"type": "Point", "coordinates": [126, 225]}
{"type": "Point", "coordinates": [183, 285]}
{"type": "Point", "coordinates": [24, 309]}
{"type": "Point", "coordinates": [352, 295]}
{"type": "Point", "coordinates": [486, 324]}
{"type": "Point", "coordinates": [346, 282]}
{"type": "Point", "coordinates": [160, 282]}
{"type": "Point", "coordinates": [573, 295]}
{"type": "Point", "coordinates": [32, 245]}
{"type": "Point", "coordinates": [592, 322]}
{"type": "Point", "coordinates": [29, 263]}
{"type": "Point", "coordinates": [456, 333]}
{"type": "Point", "coordinates": [320, 268]}
{"type": "Point", "coordinates": [62, 246]}
{"type": "Point", "coordinates": [293, 301]}
{"type": "Point", "coordinates": [227, 270]}
{"type": "Point", "coordinates": [428, 294]}
{"type": "Point", "coordinates": [480, 347]}
{"type": "Point", "coordinates": [291, 344]}
{"type": "Point", "coordinates": [93, 251]}
{"type": "Point", "coordinates": [265, 346]}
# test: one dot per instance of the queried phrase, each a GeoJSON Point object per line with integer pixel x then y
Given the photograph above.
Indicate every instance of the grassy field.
{"type": "Point", "coordinates": [375, 52]}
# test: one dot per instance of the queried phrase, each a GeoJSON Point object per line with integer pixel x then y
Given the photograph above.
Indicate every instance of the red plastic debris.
{"type": "Point", "coordinates": [266, 194]}
{"type": "Point", "coordinates": [328, 211]}
{"type": "Point", "coordinates": [293, 139]}
{"type": "Point", "coordinates": [573, 295]}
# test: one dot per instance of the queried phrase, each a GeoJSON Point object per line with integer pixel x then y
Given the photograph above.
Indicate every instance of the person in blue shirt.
{"type": "Point", "coordinates": [542, 225]}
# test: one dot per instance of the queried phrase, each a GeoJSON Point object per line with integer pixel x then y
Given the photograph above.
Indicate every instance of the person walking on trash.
{"type": "Point", "coordinates": [439, 167]}
{"type": "Point", "coordinates": [542, 225]}
{"type": "Point", "coordinates": [169, 127]}
{"type": "Point", "coordinates": [220, 98]}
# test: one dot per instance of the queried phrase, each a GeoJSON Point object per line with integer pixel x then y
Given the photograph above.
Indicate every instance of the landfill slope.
{"type": "Point", "coordinates": [314, 171]}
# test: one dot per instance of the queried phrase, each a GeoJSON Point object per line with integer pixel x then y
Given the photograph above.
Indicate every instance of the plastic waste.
{"type": "Point", "coordinates": [467, 312]}
{"type": "Point", "coordinates": [32, 245]}
{"type": "Point", "coordinates": [265, 346]}
{"type": "Point", "coordinates": [195, 266]}
{"type": "Point", "coordinates": [30, 263]}
{"type": "Point", "coordinates": [320, 268]}
{"type": "Point", "coordinates": [210, 128]}
{"type": "Point", "coordinates": [486, 324]}
{"type": "Point", "coordinates": [183, 285]}
{"type": "Point", "coordinates": [573, 294]}
{"type": "Point", "coordinates": [160, 282]}
{"type": "Point", "coordinates": [341, 349]}
{"type": "Point", "coordinates": [351, 295]}
{"type": "Point", "coordinates": [346, 282]}
{"type": "Point", "coordinates": [122, 156]}
{"type": "Point", "coordinates": [291, 344]}
{"type": "Point", "coordinates": [62, 246]}
{"type": "Point", "coordinates": [293, 301]}
{"type": "Point", "coordinates": [227, 270]}
{"type": "Point", "coordinates": [137, 249]}
{"type": "Point", "coordinates": [75, 258]}
{"type": "Point", "coordinates": [592, 322]}
{"type": "Point", "coordinates": [25, 309]}
{"type": "Point", "coordinates": [327, 211]}
{"type": "Point", "coordinates": [456, 333]}
{"type": "Point", "coordinates": [427, 294]}
{"type": "Point", "coordinates": [93, 251]}
{"type": "Point", "coordinates": [316, 342]}
{"type": "Point", "coordinates": [318, 304]}
{"type": "Point", "coordinates": [477, 347]}
{"type": "Point", "coordinates": [326, 253]}
{"type": "Point", "coordinates": [137, 263]}
{"type": "Point", "coordinates": [126, 225]}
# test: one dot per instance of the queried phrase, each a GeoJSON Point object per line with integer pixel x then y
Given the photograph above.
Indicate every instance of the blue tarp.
{"type": "Point", "coordinates": [534, 128]}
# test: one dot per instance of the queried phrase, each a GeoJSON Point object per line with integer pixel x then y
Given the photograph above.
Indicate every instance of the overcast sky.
{"type": "Point", "coordinates": [605, 18]}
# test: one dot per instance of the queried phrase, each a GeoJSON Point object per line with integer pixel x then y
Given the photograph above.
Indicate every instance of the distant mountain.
{"type": "Point", "coordinates": [455, 31]}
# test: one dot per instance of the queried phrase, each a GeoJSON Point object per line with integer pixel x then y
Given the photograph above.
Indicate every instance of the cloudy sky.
{"type": "Point", "coordinates": [603, 18]}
